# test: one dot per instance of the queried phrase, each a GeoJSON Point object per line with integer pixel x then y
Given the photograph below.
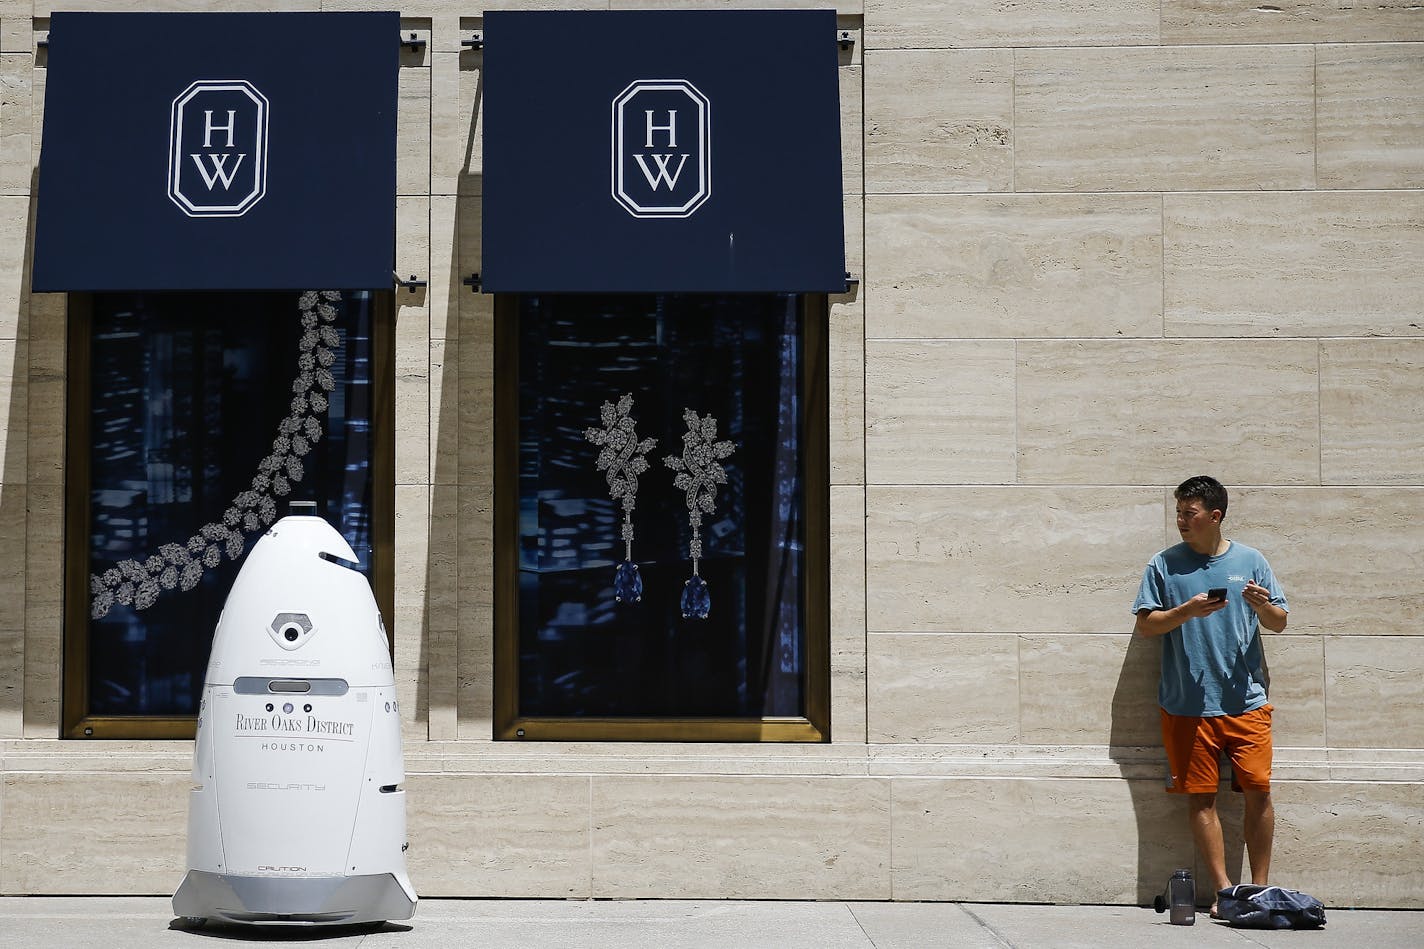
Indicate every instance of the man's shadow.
{"type": "Point", "coordinates": [1164, 840]}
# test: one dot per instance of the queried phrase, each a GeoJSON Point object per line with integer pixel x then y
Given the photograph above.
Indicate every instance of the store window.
{"type": "Point", "coordinates": [661, 517]}
{"type": "Point", "coordinates": [194, 420]}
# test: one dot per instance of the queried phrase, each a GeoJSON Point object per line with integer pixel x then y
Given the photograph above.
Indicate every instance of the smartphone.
{"type": "Point", "coordinates": [1216, 593]}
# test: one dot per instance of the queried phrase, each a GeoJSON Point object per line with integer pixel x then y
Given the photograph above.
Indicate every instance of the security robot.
{"type": "Point", "coordinates": [297, 812]}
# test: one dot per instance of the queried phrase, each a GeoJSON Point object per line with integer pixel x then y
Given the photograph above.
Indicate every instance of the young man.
{"type": "Point", "coordinates": [1212, 690]}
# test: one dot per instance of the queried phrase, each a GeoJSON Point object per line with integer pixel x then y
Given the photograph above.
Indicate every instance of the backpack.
{"type": "Point", "coordinates": [1249, 906]}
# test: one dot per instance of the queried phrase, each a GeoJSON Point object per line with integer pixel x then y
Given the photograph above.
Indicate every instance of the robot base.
{"type": "Point", "coordinates": [294, 901]}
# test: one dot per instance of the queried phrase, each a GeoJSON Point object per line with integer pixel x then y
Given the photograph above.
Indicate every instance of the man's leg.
{"type": "Point", "coordinates": [1259, 829]}
{"type": "Point", "coordinates": [1206, 832]}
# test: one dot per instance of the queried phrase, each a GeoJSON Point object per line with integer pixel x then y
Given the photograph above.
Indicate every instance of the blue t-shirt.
{"type": "Point", "coordinates": [1210, 665]}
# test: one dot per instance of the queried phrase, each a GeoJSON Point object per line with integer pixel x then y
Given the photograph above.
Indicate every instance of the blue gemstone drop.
{"type": "Point", "coordinates": [627, 583]}
{"type": "Point", "coordinates": [696, 599]}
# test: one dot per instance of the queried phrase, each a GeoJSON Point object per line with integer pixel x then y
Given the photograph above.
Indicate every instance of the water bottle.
{"type": "Point", "coordinates": [1180, 899]}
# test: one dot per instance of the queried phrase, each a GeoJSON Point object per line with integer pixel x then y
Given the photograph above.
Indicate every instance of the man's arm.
{"type": "Point", "coordinates": [1152, 623]}
{"type": "Point", "coordinates": [1259, 599]}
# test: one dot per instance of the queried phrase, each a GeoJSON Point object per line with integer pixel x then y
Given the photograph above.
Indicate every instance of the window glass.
{"type": "Point", "coordinates": [717, 382]}
{"type": "Point", "coordinates": [188, 395]}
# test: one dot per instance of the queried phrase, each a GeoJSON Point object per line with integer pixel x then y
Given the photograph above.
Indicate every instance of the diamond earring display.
{"type": "Point", "coordinates": [621, 458]}
{"type": "Point", "coordinates": [698, 474]}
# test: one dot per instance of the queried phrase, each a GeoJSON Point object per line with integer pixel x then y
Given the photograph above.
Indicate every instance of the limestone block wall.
{"type": "Point", "coordinates": [1110, 245]}
{"type": "Point", "coordinates": [1102, 245]}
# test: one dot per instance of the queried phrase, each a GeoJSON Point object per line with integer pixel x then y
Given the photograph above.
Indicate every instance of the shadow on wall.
{"type": "Point", "coordinates": [15, 401]}
{"type": "Point", "coordinates": [1164, 841]}
{"type": "Point", "coordinates": [457, 618]}
{"type": "Point", "coordinates": [14, 372]}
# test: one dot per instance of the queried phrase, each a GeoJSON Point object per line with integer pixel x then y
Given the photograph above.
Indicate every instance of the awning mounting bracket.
{"type": "Point", "coordinates": [412, 284]}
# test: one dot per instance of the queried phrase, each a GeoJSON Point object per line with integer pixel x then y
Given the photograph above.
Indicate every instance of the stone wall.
{"type": "Point", "coordinates": [1102, 245]}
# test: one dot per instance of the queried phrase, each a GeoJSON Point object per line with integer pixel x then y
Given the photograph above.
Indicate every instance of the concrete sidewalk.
{"type": "Point", "coordinates": [147, 922]}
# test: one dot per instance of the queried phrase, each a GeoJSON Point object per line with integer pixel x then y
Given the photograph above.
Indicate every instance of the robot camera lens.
{"type": "Point", "coordinates": [269, 706]}
{"type": "Point", "coordinates": [306, 708]}
{"type": "Point", "coordinates": [291, 633]}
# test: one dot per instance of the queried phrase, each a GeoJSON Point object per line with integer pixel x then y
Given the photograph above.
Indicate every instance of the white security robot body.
{"type": "Point", "coordinates": [297, 813]}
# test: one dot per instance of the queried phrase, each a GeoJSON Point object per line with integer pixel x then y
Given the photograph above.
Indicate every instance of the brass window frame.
{"type": "Point", "coordinates": [75, 722]}
{"type": "Point", "coordinates": [815, 725]}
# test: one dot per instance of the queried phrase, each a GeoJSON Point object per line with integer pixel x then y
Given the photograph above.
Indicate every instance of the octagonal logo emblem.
{"type": "Point", "coordinates": [662, 148]}
{"type": "Point", "coordinates": [217, 148]}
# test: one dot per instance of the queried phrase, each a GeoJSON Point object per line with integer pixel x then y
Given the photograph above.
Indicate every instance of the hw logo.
{"type": "Point", "coordinates": [217, 148]}
{"type": "Point", "coordinates": [662, 157]}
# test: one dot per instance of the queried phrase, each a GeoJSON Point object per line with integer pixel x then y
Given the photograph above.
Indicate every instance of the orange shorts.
{"type": "Point", "coordinates": [1194, 746]}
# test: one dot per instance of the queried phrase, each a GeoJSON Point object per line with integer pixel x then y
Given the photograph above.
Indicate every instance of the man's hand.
{"type": "Point", "coordinates": [1259, 599]}
{"type": "Point", "coordinates": [1256, 596]}
{"type": "Point", "coordinates": [1160, 622]}
{"type": "Point", "coordinates": [1202, 605]}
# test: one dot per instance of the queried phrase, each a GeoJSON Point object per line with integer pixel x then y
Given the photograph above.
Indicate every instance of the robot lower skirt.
{"type": "Point", "coordinates": [294, 900]}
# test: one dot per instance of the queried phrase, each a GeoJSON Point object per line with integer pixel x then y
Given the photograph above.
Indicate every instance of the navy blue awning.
{"type": "Point", "coordinates": [218, 151]}
{"type": "Point", "coordinates": [662, 151]}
